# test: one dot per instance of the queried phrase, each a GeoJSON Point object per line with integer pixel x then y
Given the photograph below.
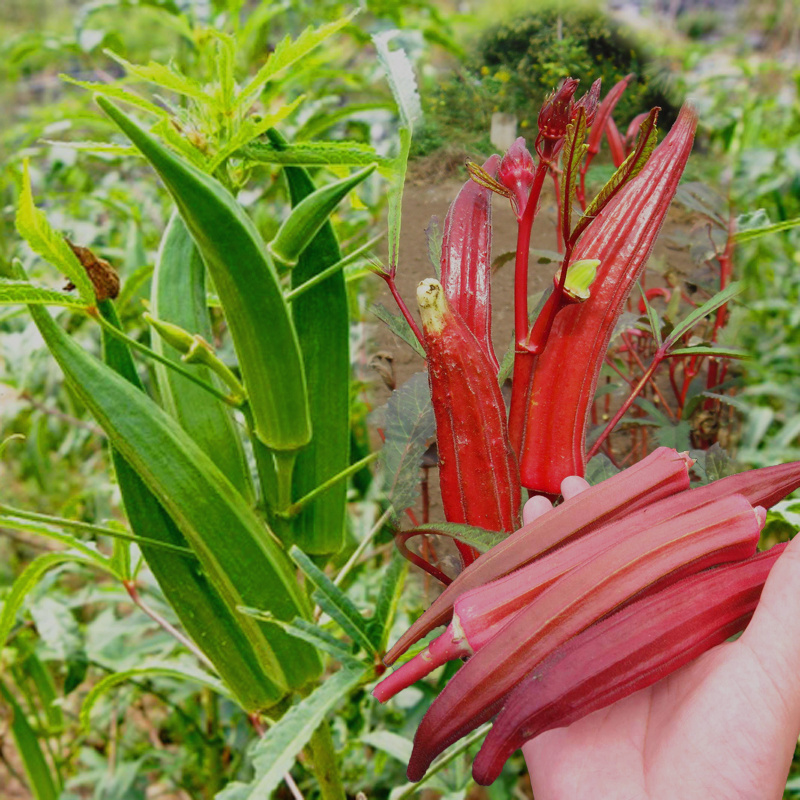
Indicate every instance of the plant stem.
{"type": "Point", "coordinates": [362, 546]}
{"type": "Point", "coordinates": [236, 402]}
{"type": "Point", "coordinates": [133, 593]}
{"type": "Point", "coordinates": [657, 358]}
{"type": "Point", "coordinates": [299, 505]}
{"type": "Point", "coordinates": [325, 763]}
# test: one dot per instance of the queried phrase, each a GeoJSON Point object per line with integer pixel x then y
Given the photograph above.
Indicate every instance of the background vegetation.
{"type": "Point", "coordinates": [160, 735]}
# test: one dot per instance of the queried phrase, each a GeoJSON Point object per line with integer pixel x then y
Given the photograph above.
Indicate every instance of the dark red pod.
{"type": "Point", "coordinates": [627, 651]}
{"type": "Point", "coordinates": [478, 472]}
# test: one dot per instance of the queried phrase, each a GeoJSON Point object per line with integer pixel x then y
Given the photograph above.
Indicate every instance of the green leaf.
{"type": "Point", "coordinates": [45, 241]}
{"type": "Point", "coordinates": [308, 632]}
{"type": "Point", "coordinates": [479, 538]}
{"type": "Point", "coordinates": [97, 148]}
{"type": "Point", "coordinates": [388, 598]}
{"type": "Point", "coordinates": [274, 754]}
{"type": "Point", "coordinates": [16, 292]}
{"type": "Point", "coordinates": [711, 350]}
{"type": "Point", "coordinates": [118, 92]}
{"type": "Point", "coordinates": [41, 780]}
{"type": "Point", "coordinates": [628, 170]}
{"type": "Point", "coordinates": [403, 84]}
{"type": "Point", "coordinates": [698, 314]}
{"type": "Point", "coordinates": [398, 325]}
{"type": "Point", "coordinates": [287, 52]}
{"type": "Point", "coordinates": [409, 427]}
{"type": "Point", "coordinates": [166, 670]}
{"type": "Point", "coordinates": [573, 154]}
{"type": "Point", "coordinates": [313, 154]}
{"type": "Point", "coordinates": [165, 76]}
{"type": "Point", "coordinates": [765, 230]}
{"type": "Point", "coordinates": [599, 469]}
{"type": "Point", "coordinates": [334, 601]}
{"type": "Point", "coordinates": [27, 581]}
{"type": "Point", "coordinates": [652, 315]}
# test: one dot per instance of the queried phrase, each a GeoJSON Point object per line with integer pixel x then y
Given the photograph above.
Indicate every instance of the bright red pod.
{"type": "Point", "coordinates": [663, 473]}
{"type": "Point", "coordinates": [718, 532]}
{"type": "Point", "coordinates": [566, 372]}
{"type": "Point", "coordinates": [604, 111]}
{"type": "Point", "coordinates": [478, 473]}
{"type": "Point", "coordinates": [625, 652]}
{"type": "Point", "coordinates": [466, 258]}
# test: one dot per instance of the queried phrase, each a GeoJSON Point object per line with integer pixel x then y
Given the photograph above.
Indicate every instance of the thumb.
{"type": "Point", "coordinates": [773, 634]}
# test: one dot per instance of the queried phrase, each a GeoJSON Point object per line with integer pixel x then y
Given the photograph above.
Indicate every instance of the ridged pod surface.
{"type": "Point", "coordinates": [566, 372]}
{"type": "Point", "coordinates": [628, 651]}
{"type": "Point", "coordinates": [466, 258]}
{"type": "Point", "coordinates": [726, 530]}
{"type": "Point", "coordinates": [662, 473]}
{"type": "Point", "coordinates": [477, 469]}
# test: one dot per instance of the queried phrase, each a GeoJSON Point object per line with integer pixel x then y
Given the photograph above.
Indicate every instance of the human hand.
{"type": "Point", "coordinates": [723, 726]}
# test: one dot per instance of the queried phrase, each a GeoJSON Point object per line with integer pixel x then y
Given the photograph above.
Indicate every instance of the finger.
{"type": "Point", "coordinates": [773, 634]}
{"type": "Point", "coordinates": [572, 485]}
{"type": "Point", "coordinates": [534, 508]}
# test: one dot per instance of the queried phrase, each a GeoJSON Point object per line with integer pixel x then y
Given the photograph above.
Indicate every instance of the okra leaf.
{"type": "Point", "coordinates": [165, 76]}
{"type": "Point", "coordinates": [698, 314]}
{"type": "Point", "coordinates": [574, 151]}
{"type": "Point", "coordinates": [287, 52]}
{"type": "Point", "coordinates": [599, 469]}
{"type": "Point", "coordinates": [479, 538]}
{"type": "Point", "coordinates": [43, 785]}
{"type": "Point", "coordinates": [15, 292]}
{"type": "Point", "coordinates": [27, 581]}
{"type": "Point", "coordinates": [118, 93]}
{"type": "Point", "coordinates": [403, 84]}
{"type": "Point", "coordinates": [704, 200]}
{"type": "Point", "coordinates": [274, 754]}
{"type": "Point", "coordinates": [676, 436]}
{"type": "Point", "coordinates": [398, 326]}
{"type": "Point", "coordinates": [409, 427]}
{"type": "Point", "coordinates": [45, 241]}
{"type": "Point", "coordinates": [750, 234]}
{"type": "Point", "coordinates": [96, 148]}
{"type": "Point", "coordinates": [388, 598]}
{"type": "Point", "coordinates": [333, 601]}
{"type": "Point", "coordinates": [710, 350]}
{"type": "Point", "coordinates": [179, 671]}
{"type": "Point", "coordinates": [652, 315]}
{"type": "Point", "coordinates": [435, 238]}
{"type": "Point", "coordinates": [628, 170]}
{"type": "Point", "coordinates": [308, 632]}
{"type": "Point", "coordinates": [316, 154]}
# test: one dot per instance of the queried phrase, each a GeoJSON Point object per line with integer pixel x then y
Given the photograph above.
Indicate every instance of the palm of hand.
{"type": "Point", "coordinates": [724, 726]}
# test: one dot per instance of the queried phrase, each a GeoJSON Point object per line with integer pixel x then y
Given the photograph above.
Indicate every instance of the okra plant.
{"type": "Point", "coordinates": [534, 614]}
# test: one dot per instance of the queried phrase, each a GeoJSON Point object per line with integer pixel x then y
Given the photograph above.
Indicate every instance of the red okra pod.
{"type": "Point", "coordinates": [625, 652]}
{"type": "Point", "coordinates": [466, 258]}
{"type": "Point", "coordinates": [565, 376]}
{"type": "Point", "coordinates": [718, 532]}
{"type": "Point", "coordinates": [661, 474]}
{"type": "Point", "coordinates": [478, 472]}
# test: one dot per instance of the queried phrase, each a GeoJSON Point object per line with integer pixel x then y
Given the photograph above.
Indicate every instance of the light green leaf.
{"type": "Point", "coordinates": [40, 778]}
{"type": "Point", "coordinates": [398, 325]}
{"type": "Point", "coordinates": [288, 51]}
{"type": "Point", "coordinates": [334, 601]}
{"type": "Point", "coordinates": [388, 599]}
{"type": "Point", "coordinates": [165, 76]}
{"type": "Point", "coordinates": [249, 130]}
{"type": "Point", "coordinates": [98, 148]}
{"type": "Point", "coordinates": [573, 153]}
{"type": "Point", "coordinates": [16, 292]}
{"type": "Point", "coordinates": [45, 241]}
{"type": "Point", "coordinates": [479, 538]}
{"type": "Point", "coordinates": [766, 230]}
{"type": "Point", "coordinates": [711, 350]}
{"type": "Point", "coordinates": [655, 322]}
{"type": "Point", "coordinates": [118, 93]}
{"type": "Point", "coordinates": [166, 670]}
{"type": "Point", "coordinates": [310, 154]}
{"type": "Point", "coordinates": [274, 754]}
{"type": "Point", "coordinates": [26, 582]}
{"type": "Point", "coordinates": [698, 314]}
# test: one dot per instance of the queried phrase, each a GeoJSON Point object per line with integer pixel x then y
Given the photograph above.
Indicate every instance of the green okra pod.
{"type": "Point", "coordinates": [179, 297]}
{"type": "Point", "coordinates": [236, 551]}
{"type": "Point", "coordinates": [310, 214]}
{"type": "Point", "coordinates": [201, 609]}
{"type": "Point", "coordinates": [248, 287]}
{"type": "Point", "coordinates": [322, 320]}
